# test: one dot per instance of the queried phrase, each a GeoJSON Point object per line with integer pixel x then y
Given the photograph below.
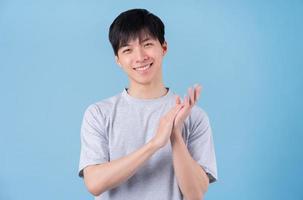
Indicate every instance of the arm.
{"type": "Point", "coordinates": [192, 179]}
{"type": "Point", "coordinates": [99, 178]}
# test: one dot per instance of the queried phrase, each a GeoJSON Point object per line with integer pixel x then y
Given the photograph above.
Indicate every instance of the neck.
{"type": "Point", "coordinates": [150, 91]}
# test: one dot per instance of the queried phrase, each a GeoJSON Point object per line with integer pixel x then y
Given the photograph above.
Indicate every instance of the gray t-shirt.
{"type": "Point", "coordinates": [118, 126]}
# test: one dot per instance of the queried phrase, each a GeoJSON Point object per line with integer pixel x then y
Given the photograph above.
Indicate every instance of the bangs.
{"type": "Point", "coordinates": [135, 24]}
{"type": "Point", "coordinates": [131, 35]}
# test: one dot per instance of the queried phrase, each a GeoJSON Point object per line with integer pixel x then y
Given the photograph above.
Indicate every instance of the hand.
{"type": "Point", "coordinates": [187, 104]}
{"type": "Point", "coordinates": [165, 126]}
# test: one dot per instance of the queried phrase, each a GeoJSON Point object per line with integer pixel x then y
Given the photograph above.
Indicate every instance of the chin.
{"type": "Point", "coordinates": [144, 82]}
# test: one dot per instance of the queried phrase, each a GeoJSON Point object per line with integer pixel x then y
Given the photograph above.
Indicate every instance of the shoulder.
{"type": "Point", "coordinates": [103, 107]}
{"type": "Point", "coordinates": [198, 113]}
{"type": "Point", "coordinates": [198, 117]}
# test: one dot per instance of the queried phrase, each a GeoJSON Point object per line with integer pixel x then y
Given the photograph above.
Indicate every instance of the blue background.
{"type": "Point", "coordinates": [55, 60]}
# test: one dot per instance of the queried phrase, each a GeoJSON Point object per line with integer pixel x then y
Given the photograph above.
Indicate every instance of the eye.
{"type": "Point", "coordinates": [148, 44]}
{"type": "Point", "coordinates": [126, 50]}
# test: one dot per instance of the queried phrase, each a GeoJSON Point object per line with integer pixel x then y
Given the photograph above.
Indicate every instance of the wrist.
{"type": "Point", "coordinates": [176, 136]}
{"type": "Point", "coordinates": [177, 131]}
{"type": "Point", "coordinates": [155, 145]}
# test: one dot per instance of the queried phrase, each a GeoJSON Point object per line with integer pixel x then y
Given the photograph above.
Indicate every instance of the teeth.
{"type": "Point", "coordinates": [143, 68]}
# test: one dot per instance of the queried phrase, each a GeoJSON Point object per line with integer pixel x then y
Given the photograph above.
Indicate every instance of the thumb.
{"type": "Point", "coordinates": [177, 109]}
{"type": "Point", "coordinates": [172, 113]}
{"type": "Point", "coordinates": [178, 101]}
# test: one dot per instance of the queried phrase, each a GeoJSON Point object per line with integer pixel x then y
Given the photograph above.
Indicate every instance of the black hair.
{"type": "Point", "coordinates": [132, 24]}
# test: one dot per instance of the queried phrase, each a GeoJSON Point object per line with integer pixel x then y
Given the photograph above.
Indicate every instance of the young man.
{"type": "Point", "coordinates": [145, 143]}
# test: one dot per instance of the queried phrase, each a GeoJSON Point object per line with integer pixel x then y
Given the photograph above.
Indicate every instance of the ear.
{"type": "Point", "coordinates": [164, 47]}
{"type": "Point", "coordinates": [117, 61]}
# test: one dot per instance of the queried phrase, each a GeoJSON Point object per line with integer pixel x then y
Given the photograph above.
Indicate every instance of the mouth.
{"type": "Point", "coordinates": [143, 68]}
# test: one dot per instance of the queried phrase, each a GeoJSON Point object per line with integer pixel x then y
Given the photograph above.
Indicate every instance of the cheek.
{"type": "Point", "coordinates": [159, 58]}
{"type": "Point", "coordinates": [125, 61]}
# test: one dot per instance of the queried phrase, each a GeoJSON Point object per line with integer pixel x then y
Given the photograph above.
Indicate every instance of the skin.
{"type": "Point", "coordinates": [192, 180]}
{"type": "Point", "coordinates": [138, 53]}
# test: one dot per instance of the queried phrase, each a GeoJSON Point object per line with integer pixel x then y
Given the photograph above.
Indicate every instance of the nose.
{"type": "Point", "coordinates": [141, 55]}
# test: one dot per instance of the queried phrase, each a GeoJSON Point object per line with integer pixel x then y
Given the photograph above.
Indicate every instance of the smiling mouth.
{"type": "Point", "coordinates": [144, 67]}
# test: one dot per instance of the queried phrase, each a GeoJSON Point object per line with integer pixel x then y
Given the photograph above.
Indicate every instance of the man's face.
{"type": "Point", "coordinates": [142, 60]}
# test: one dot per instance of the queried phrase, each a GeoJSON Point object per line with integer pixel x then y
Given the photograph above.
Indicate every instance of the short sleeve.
{"type": "Point", "coordinates": [200, 142]}
{"type": "Point", "coordinates": [94, 140]}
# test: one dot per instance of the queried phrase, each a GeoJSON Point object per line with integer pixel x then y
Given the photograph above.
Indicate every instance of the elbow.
{"type": "Point", "coordinates": [93, 186]}
{"type": "Point", "coordinates": [197, 193]}
{"type": "Point", "coordinates": [205, 188]}
{"type": "Point", "coordinates": [196, 196]}
{"type": "Point", "coordinates": [93, 190]}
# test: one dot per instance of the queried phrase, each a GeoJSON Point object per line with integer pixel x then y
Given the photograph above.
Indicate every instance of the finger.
{"type": "Point", "coordinates": [178, 101]}
{"type": "Point", "coordinates": [186, 101]}
{"type": "Point", "coordinates": [189, 93]}
{"type": "Point", "coordinates": [192, 96]}
{"type": "Point", "coordinates": [175, 110]}
{"type": "Point", "coordinates": [196, 92]}
{"type": "Point", "coordinates": [199, 92]}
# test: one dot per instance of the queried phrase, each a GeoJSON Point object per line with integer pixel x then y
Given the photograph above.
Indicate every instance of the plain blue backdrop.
{"type": "Point", "coordinates": [55, 60]}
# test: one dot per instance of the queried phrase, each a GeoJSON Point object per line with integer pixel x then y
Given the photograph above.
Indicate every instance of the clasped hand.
{"type": "Point", "coordinates": [188, 102]}
{"type": "Point", "coordinates": [171, 123]}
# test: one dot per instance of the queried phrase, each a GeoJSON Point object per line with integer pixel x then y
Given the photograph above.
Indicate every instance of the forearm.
{"type": "Point", "coordinates": [99, 178]}
{"type": "Point", "coordinates": [192, 179]}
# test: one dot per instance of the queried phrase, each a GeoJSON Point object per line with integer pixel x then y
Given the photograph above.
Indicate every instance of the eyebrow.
{"type": "Point", "coordinates": [144, 40]}
{"type": "Point", "coordinates": [124, 45]}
